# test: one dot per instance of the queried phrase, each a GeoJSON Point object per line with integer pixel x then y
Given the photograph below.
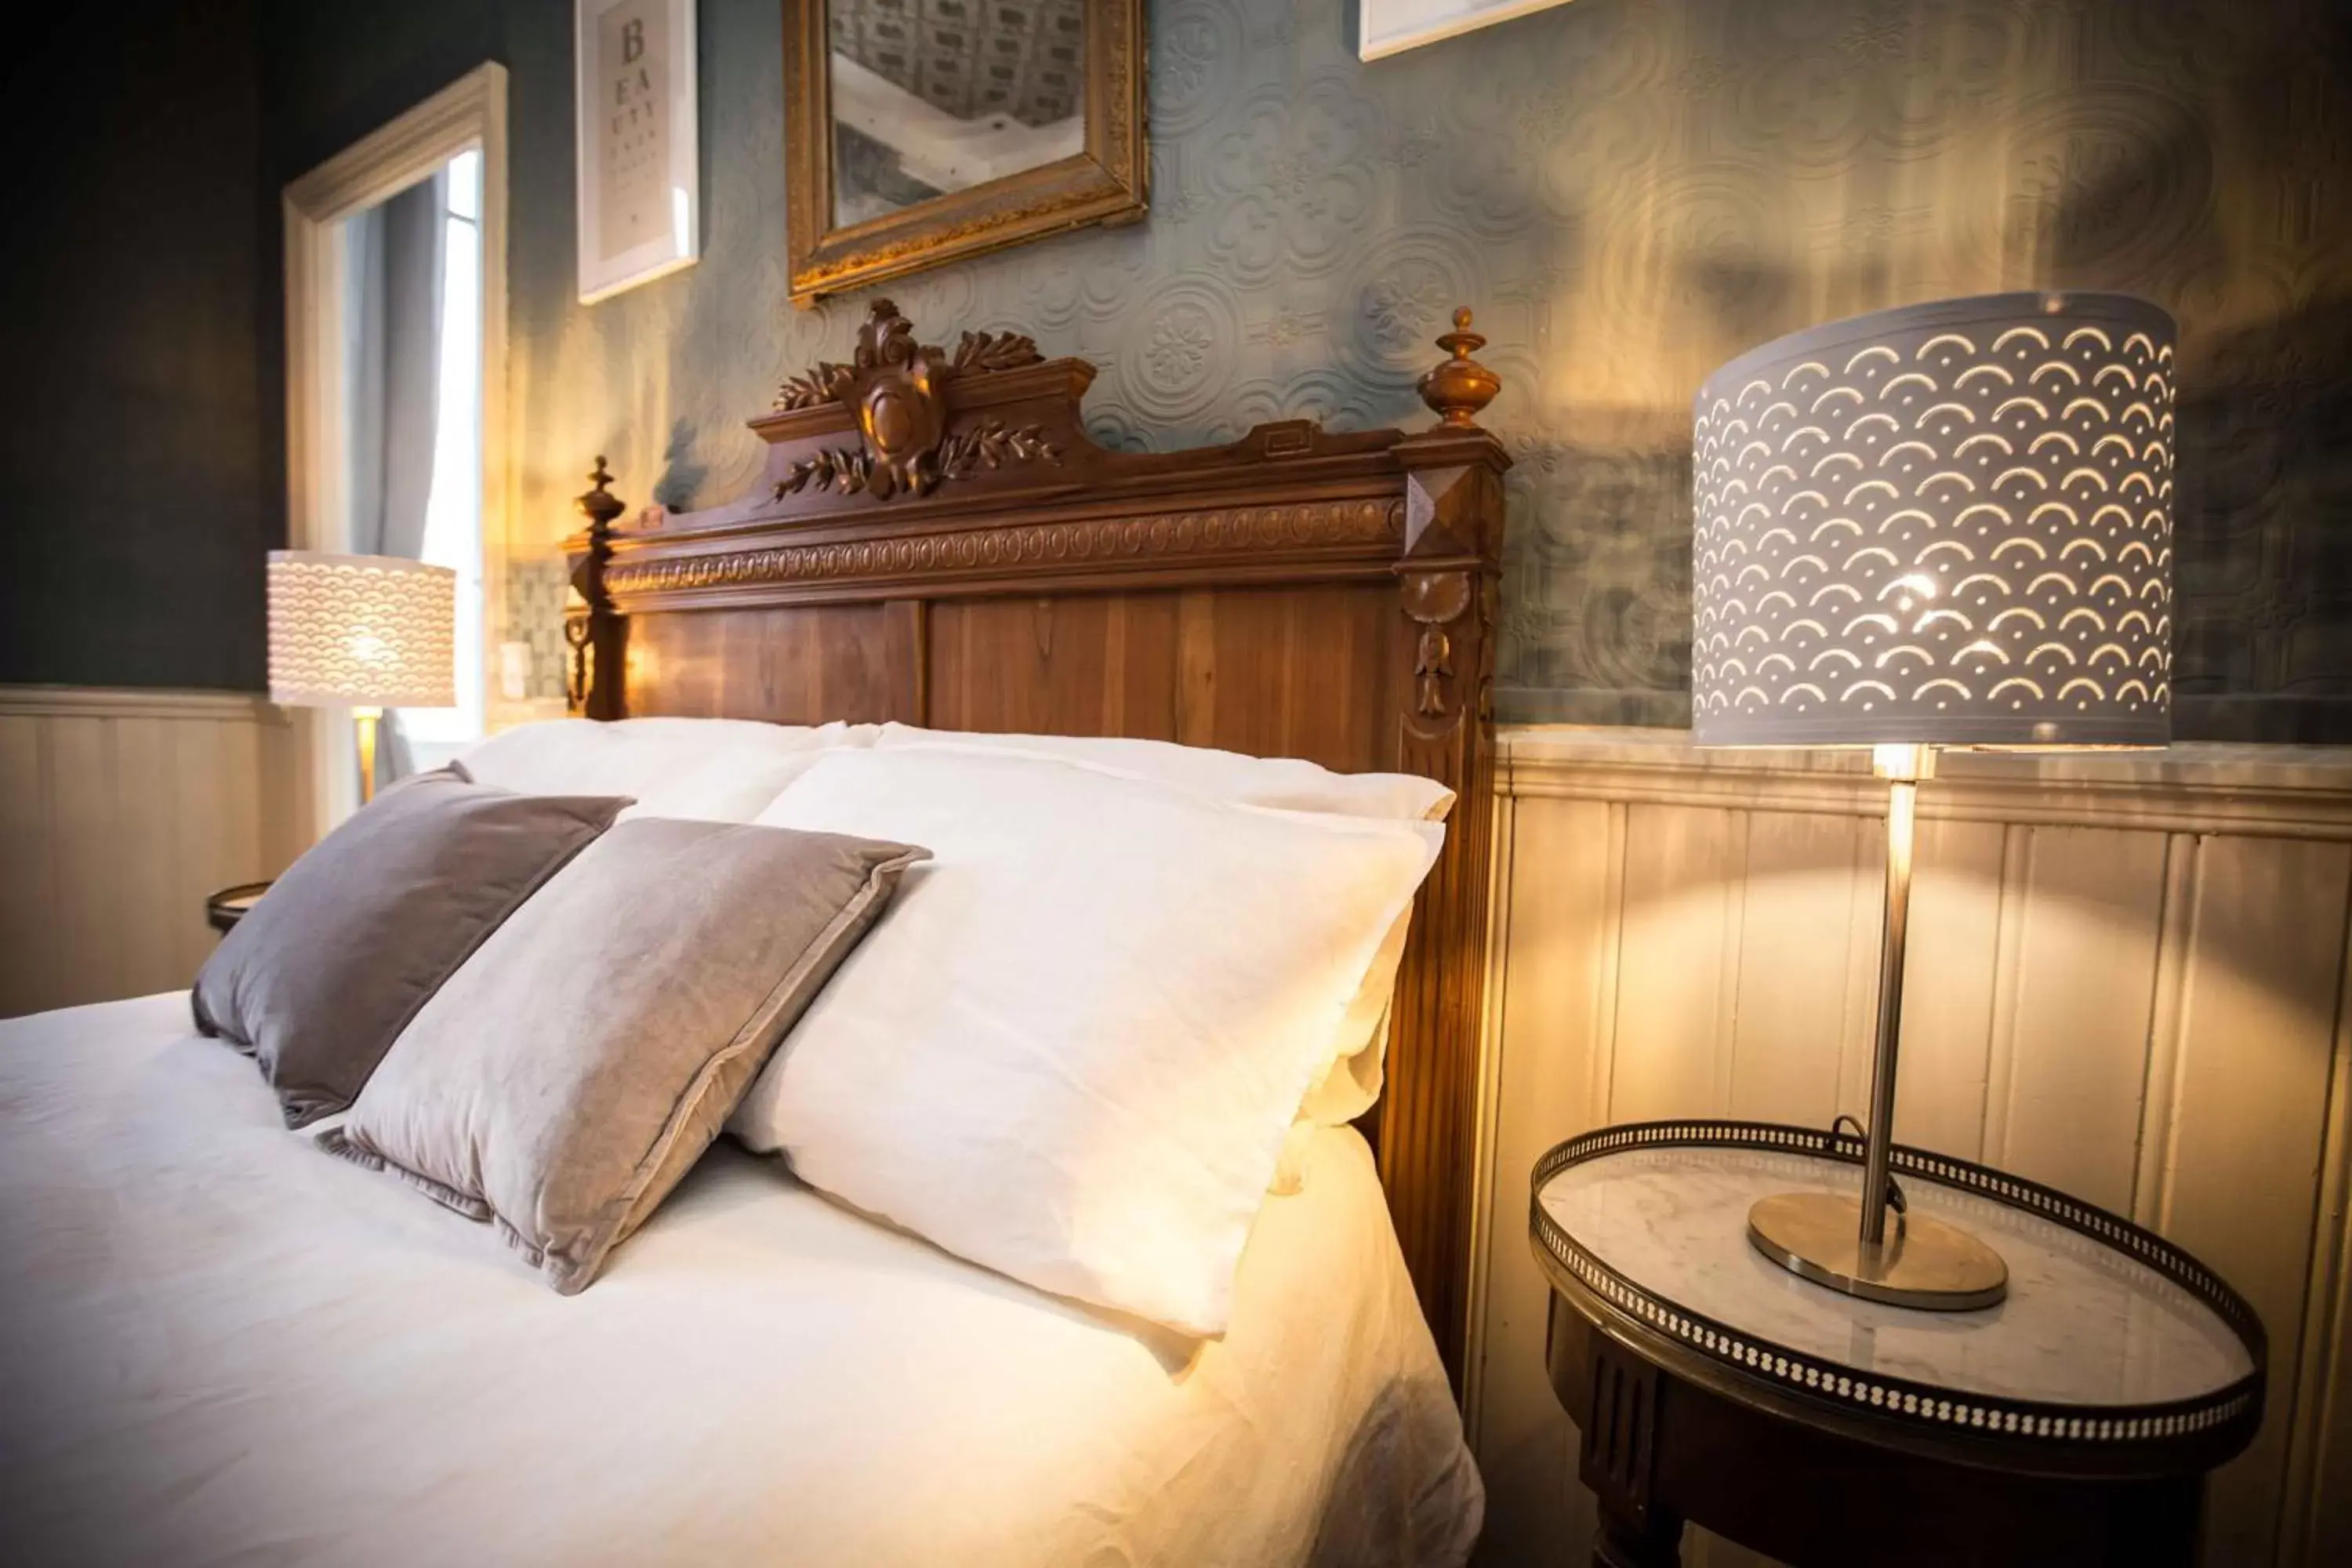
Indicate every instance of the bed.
{"type": "Point", "coordinates": [219, 1346]}
{"type": "Point", "coordinates": [271, 1356]}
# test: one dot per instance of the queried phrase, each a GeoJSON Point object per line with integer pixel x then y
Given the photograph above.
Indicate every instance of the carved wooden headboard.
{"type": "Point", "coordinates": [936, 540]}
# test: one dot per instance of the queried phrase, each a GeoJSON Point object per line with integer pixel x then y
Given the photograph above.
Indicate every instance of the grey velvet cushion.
{"type": "Point", "coordinates": [322, 974]}
{"type": "Point", "coordinates": [565, 1079]}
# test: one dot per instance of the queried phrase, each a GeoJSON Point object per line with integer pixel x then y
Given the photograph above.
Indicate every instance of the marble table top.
{"type": "Point", "coordinates": [2084, 1324]}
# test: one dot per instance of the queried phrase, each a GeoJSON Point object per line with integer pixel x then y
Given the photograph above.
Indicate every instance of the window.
{"type": "Point", "coordinates": [453, 510]}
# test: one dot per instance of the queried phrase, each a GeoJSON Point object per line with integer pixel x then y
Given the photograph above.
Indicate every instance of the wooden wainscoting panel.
{"type": "Point", "coordinates": [29, 966]}
{"type": "Point", "coordinates": [2127, 978]}
{"type": "Point", "coordinates": [148, 849]}
{"type": "Point", "coordinates": [82, 826]}
{"type": "Point", "coordinates": [1947, 994]}
{"type": "Point", "coordinates": [237, 833]}
{"type": "Point", "coordinates": [1559, 920]}
{"type": "Point", "coordinates": [120, 811]}
{"type": "Point", "coordinates": [2319, 1452]}
{"type": "Point", "coordinates": [1678, 962]}
{"type": "Point", "coordinates": [204, 807]}
{"type": "Point", "coordinates": [1799, 930]}
{"type": "Point", "coordinates": [2247, 1122]}
{"type": "Point", "coordinates": [2168, 1013]}
{"type": "Point", "coordinates": [2077, 1043]}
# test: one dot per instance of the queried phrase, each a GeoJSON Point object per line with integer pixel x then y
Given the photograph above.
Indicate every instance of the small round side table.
{"type": "Point", "coordinates": [2072, 1423]}
{"type": "Point", "coordinates": [230, 905]}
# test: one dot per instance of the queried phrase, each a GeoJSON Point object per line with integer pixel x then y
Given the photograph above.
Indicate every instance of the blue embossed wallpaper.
{"type": "Point", "coordinates": [1627, 191]}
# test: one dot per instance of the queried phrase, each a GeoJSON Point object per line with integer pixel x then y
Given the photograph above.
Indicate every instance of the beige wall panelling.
{"type": "Point", "coordinates": [1797, 1027]}
{"type": "Point", "coordinates": [1947, 994]}
{"type": "Point", "coordinates": [2246, 1121]}
{"type": "Point", "coordinates": [2072, 1055]}
{"type": "Point", "coordinates": [202, 810]}
{"type": "Point", "coordinates": [1561, 913]}
{"type": "Point", "coordinates": [29, 935]}
{"type": "Point", "coordinates": [1678, 966]}
{"type": "Point", "coordinates": [2127, 978]}
{"type": "Point", "coordinates": [2319, 1454]}
{"type": "Point", "coordinates": [120, 811]}
{"type": "Point", "coordinates": [144, 752]}
{"type": "Point", "coordinates": [77, 754]}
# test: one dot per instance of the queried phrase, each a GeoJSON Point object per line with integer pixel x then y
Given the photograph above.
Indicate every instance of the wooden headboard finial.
{"type": "Point", "coordinates": [1460, 386]}
{"type": "Point", "coordinates": [600, 506]}
{"type": "Point", "coordinates": [590, 630]}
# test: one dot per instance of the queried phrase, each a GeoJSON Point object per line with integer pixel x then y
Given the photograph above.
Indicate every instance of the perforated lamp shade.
{"type": "Point", "coordinates": [1949, 524]}
{"type": "Point", "coordinates": [370, 631]}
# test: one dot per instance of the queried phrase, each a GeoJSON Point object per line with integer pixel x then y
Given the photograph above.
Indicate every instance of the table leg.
{"type": "Point", "coordinates": [1617, 1456]}
{"type": "Point", "coordinates": [1652, 1541]}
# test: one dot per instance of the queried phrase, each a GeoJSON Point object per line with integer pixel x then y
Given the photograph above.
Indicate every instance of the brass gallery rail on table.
{"type": "Point", "coordinates": [935, 539]}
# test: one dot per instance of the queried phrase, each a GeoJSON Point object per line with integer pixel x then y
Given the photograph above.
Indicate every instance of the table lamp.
{"type": "Point", "coordinates": [1948, 524]}
{"type": "Point", "coordinates": [369, 632]}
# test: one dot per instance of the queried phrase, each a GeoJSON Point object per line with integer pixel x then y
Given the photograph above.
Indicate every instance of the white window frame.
{"type": "Point", "coordinates": [469, 113]}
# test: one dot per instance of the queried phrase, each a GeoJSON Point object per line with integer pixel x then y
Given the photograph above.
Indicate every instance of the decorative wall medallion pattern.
{"type": "Point", "coordinates": [1630, 192]}
{"type": "Point", "coordinates": [1404, 283]}
{"type": "Point", "coordinates": [1179, 361]}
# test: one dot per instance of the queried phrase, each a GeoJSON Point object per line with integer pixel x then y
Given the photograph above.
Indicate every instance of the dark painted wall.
{"type": "Point", "coordinates": [329, 74]}
{"type": "Point", "coordinates": [130, 452]}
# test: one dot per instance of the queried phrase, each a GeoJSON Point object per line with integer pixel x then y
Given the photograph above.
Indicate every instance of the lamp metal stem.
{"type": "Point", "coordinates": [1845, 1243]}
{"type": "Point", "coordinates": [1903, 766]}
{"type": "Point", "coordinates": [364, 721]}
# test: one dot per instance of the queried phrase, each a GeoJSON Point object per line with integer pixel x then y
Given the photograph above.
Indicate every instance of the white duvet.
{"type": "Point", "coordinates": [218, 1345]}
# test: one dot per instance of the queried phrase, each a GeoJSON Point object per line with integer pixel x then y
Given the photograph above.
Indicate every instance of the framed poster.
{"type": "Point", "coordinates": [1393, 26]}
{"type": "Point", "coordinates": [640, 173]}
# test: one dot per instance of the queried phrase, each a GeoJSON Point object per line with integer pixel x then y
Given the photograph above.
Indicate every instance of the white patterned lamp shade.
{"type": "Point", "coordinates": [1948, 524]}
{"type": "Point", "coordinates": [370, 631]}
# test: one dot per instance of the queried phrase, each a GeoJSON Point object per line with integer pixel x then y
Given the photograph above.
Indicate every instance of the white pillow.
{"type": "Point", "coordinates": [1072, 1049]}
{"type": "Point", "coordinates": [1352, 1079]}
{"type": "Point", "coordinates": [1286, 784]}
{"type": "Point", "coordinates": [713, 770]}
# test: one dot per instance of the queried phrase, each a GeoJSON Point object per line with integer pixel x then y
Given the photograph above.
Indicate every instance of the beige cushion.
{"type": "Point", "coordinates": [579, 1063]}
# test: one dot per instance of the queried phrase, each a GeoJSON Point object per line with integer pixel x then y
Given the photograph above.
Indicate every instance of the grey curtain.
{"type": "Point", "coordinates": [395, 393]}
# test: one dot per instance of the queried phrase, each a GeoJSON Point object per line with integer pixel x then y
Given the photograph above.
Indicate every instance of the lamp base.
{"type": "Point", "coordinates": [1923, 1263]}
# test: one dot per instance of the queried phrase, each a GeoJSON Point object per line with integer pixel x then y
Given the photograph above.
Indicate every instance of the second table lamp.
{"type": "Point", "coordinates": [1948, 524]}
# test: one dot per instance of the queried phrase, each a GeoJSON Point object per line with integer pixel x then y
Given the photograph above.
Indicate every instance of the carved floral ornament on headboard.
{"type": "Point", "coordinates": [896, 389]}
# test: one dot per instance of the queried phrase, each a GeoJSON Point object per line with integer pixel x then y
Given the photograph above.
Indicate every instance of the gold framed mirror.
{"type": "Point", "coordinates": [922, 131]}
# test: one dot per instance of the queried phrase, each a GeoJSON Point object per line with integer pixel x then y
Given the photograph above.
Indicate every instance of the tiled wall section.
{"type": "Point", "coordinates": [1628, 191]}
{"type": "Point", "coordinates": [536, 586]}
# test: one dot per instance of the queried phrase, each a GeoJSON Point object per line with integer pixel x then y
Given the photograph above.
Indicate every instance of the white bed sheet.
{"type": "Point", "coordinates": [219, 1345]}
